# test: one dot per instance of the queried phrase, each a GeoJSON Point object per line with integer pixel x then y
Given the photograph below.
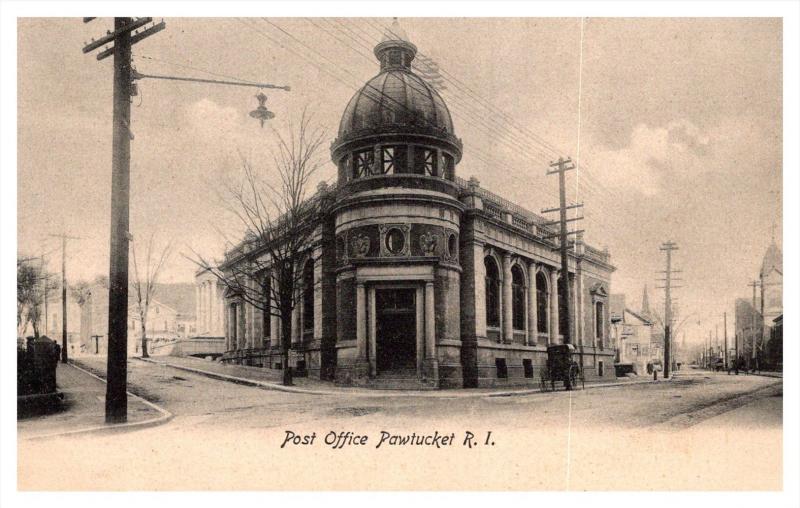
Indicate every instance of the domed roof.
{"type": "Point", "coordinates": [397, 100]}
{"type": "Point", "coordinates": [392, 100]}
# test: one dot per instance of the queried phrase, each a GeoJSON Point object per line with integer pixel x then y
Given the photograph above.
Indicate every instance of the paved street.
{"type": "Point", "coordinates": [226, 435]}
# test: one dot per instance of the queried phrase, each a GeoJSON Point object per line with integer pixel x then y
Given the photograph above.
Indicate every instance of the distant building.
{"type": "Point", "coordinates": [165, 323]}
{"type": "Point", "coordinates": [771, 278]}
{"type": "Point", "coordinates": [635, 339]}
{"type": "Point", "coordinates": [52, 324]}
{"type": "Point", "coordinates": [747, 325]}
{"type": "Point", "coordinates": [756, 317]}
{"type": "Point", "coordinates": [210, 305]}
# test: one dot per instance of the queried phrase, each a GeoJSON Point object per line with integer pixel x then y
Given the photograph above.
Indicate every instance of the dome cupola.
{"type": "Point", "coordinates": [397, 122]}
{"type": "Point", "coordinates": [395, 51]}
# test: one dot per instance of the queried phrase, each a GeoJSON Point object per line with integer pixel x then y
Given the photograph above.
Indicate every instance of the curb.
{"type": "Point", "coordinates": [112, 428]}
{"type": "Point", "coordinates": [377, 393]}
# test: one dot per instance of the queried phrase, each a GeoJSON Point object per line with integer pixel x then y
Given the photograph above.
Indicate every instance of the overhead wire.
{"type": "Point", "coordinates": [374, 94]}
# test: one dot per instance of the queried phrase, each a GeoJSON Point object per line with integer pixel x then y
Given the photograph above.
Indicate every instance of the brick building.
{"type": "Point", "coordinates": [417, 277]}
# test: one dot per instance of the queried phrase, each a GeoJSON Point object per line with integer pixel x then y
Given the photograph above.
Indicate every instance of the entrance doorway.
{"type": "Point", "coordinates": [395, 329]}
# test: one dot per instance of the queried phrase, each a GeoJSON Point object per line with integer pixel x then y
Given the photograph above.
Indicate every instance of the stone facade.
{"type": "Point", "coordinates": [209, 305]}
{"type": "Point", "coordinates": [422, 279]}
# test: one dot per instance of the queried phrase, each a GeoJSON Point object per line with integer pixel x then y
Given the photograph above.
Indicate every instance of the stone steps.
{"type": "Point", "coordinates": [398, 380]}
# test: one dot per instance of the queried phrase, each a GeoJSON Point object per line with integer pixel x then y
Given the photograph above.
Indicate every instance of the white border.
{"type": "Point", "coordinates": [8, 142]}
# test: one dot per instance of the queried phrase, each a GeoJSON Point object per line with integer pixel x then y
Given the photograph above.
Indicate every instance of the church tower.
{"type": "Point", "coordinates": [645, 303]}
{"type": "Point", "coordinates": [771, 277]}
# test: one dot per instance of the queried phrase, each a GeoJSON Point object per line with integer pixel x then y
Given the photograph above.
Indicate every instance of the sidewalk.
{"type": "Point", "coordinates": [83, 408]}
{"type": "Point", "coordinates": [271, 380]}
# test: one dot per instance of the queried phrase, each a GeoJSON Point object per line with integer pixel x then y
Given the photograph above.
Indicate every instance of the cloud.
{"type": "Point", "coordinates": [653, 156]}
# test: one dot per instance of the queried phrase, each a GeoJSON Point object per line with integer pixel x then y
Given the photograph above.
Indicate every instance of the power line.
{"type": "Point", "coordinates": [491, 108]}
{"type": "Point", "coordinates": [374, 95]}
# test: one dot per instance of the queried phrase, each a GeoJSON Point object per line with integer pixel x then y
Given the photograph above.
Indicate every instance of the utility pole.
{"type": "Point", "coordinates": [668, 247]}
{"type": "Point", "coordinates": [725, 335]}
{"type": "Point", "coordinates": [46, 290]}
{"type": "Point", "coordinates": [753, 357]}
{"type": "Point", "coordinates": [64, 237]}
{"type": "Point", "coordinates": [117, 368]}
{"type": "Point", "coordinates": [561, 167]}
{"type": "Point", "coordinates": [127, 32]}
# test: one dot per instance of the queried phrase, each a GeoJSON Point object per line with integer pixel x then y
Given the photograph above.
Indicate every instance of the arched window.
{"type": "Point", "coordinates": [599, 322]}
{"type": "Point", "coordinates": [518, 298]}
{"type": "Point", "coordinates": [492, 292]}
{"type": "Point", "coordinates": [308, 295]}
{"type": "Point", "coordinates": [541, 303]}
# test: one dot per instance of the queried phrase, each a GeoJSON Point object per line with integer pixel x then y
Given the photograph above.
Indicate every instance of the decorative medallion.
{"type": "Point", "coordinates": [428, 242]}
{"type": "Point", "coordinates": [394, 240]}
{"type": "Point", "coordinates": [360, 245]}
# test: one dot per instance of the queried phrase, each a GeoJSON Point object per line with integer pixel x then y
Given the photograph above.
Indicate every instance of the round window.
{"type": "Point", "coordinates": [395, 241]}
{"type": "Point", "coordinates": [452, 245]}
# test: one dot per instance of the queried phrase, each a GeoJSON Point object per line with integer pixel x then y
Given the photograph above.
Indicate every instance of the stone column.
{"type": "Point", "coordinates": [507, 324]}
{"type": "Point", "coordinates": [318, 283]}
{"type": "Point", "coordinates": [532, 308]}
{"type": "Point", "coordinates": [373, 365]}
{"type": "Point", "coordinates": [207, 303]}
{"type": "Point", "coordinates": [227, 334]}
{"type": "Point", "coordinates": [553, 306]}
{"type": "Point", "coordinates": [212, 308]}
{"type": "Point", "coordinates": [241, 325]}
{"type": "Point", "coordinates": [361, 322]}
{"type": "Point", "coordinates": [420, 315]}
{"type": "Point", "coordinates": [430, 322]}
{"type": "Point", "coordinates": [197, 302]}
{"type": "Point", "coordinates": [275, 320]}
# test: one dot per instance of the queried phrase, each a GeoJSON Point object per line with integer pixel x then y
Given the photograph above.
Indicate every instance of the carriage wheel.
{"type": "Point", "coordinates": [572, 377]}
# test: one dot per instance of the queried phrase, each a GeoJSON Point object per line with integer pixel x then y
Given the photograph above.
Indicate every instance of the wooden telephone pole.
{"type": "Point", "coordinates": [753, 360]}
{"type": "Point", "coordinates": [64, 237]}
{"type": "Point", "coordinates": [725, 336]}
{"type": "Point", "coordinates": [668, 247]}
{"type": "Point", "coordinates": [561, 167]}
{"type": "Point", "coordinates": [125, 34]}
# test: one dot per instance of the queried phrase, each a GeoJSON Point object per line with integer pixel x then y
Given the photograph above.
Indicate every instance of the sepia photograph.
{"type": "Point", "coordinates": [396, 250]}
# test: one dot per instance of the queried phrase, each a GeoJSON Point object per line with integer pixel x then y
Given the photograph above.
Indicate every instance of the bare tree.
{"type": "Point", "coordinates": [81, 291]}
{"type": "Point", "coordinates": [144, 284]}
{"type": "Point", "coordinates": [32, 283]}
{"type": "Point", "coordinates": [279, 220]}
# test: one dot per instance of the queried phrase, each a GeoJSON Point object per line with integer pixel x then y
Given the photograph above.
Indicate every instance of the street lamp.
{"type": "Point", "coordinates": [261, 113]}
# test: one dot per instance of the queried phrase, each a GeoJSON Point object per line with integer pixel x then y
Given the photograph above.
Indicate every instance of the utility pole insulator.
{"type": "Point", "coordinates": [560, 167]}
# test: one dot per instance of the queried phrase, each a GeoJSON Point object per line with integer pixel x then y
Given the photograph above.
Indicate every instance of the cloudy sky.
{"type": "Point", "coordinates": [676, 124]}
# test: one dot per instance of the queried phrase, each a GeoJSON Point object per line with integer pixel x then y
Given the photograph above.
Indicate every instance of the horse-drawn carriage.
{"type": "Point", "coordinates": [561, 366]}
